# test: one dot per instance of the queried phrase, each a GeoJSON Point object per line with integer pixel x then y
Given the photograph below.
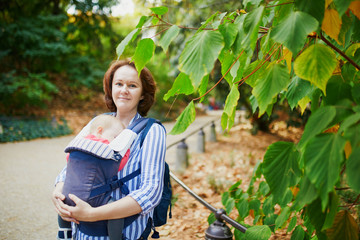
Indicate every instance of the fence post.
{"type": "Point", "coordinates": [212, 137]}
{"type": "Point", "coordinates": [182, 161]}
{"type": "Point", "coordinates": [201, 141]}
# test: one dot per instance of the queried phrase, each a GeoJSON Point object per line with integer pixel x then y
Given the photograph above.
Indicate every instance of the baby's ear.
{"type": "Point", "coordinates": [99, 130]}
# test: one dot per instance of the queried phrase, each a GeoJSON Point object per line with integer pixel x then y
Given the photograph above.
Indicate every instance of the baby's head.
{"type": "Point", "coordinates": [106, 126]}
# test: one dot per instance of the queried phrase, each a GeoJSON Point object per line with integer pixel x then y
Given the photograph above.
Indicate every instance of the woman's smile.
{"type": "Point", "coordinates": [126, 90]}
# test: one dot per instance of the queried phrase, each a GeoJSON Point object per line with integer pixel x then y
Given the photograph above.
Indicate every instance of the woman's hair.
{"type": "Point", "coordinates": [147, 81]}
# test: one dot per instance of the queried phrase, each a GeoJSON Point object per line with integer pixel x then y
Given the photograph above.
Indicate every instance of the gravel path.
{"type": "Point", "coordinates": [27, 174]}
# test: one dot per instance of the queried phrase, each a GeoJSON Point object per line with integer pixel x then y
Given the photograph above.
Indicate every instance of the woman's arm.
{"type": "Point", "coordinates": [139, 201]}
{"type": "Point", "coordinates": [122, 208]}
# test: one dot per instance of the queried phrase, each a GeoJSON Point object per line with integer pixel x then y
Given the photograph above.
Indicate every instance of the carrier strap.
{"type": "Point", "coordinates": [114, 184]}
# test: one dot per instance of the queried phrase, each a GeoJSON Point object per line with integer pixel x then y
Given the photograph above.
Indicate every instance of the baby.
{"type": "Point", "coordinates": [104, 128]}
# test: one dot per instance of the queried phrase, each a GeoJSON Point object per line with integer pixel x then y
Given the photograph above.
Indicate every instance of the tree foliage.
{"type": "Point", "coordinates": [305, 53]}
{"type": "Point", "coordinates": [43, 47]}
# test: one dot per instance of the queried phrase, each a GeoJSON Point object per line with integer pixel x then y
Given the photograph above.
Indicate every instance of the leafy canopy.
{"type": "Point", "coordinates": [303, 54]}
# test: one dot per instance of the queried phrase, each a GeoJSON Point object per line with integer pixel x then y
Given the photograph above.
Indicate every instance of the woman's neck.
{"type": "Point", "coordinates": [125, 118]}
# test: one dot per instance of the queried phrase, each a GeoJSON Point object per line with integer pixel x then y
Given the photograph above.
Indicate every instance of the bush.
{"type": "Point", "coordinates": [17, 129]}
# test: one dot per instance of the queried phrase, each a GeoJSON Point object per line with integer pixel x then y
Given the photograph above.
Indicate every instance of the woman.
{"type": "Point", "coordinates": [129, 96]}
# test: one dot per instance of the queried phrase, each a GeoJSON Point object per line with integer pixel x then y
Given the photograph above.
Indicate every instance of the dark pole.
{"type": "Point", "coordinates": [220, 214]}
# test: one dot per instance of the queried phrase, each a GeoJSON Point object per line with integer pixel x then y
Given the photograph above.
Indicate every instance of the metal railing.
{"type": "Point", "coordinates": [217, 230]}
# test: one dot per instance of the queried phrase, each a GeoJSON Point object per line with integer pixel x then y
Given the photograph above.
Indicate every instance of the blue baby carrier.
{"type": "Point", "coordinates": [91, 175]}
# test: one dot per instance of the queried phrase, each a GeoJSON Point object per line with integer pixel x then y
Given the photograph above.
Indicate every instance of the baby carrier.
{"type": "Point", "coordinates": [92, 174]}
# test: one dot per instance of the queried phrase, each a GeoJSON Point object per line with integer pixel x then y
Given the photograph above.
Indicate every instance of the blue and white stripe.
{"type": "Point", "coordinates": [147, 187]}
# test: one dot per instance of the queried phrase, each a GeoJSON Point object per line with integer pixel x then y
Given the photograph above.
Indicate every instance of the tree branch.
{"type": "Point", "coordinates": [220, 78]}
{"type": "Point", "coordinates": [340, 52]}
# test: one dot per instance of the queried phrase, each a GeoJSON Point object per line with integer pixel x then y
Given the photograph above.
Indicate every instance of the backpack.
{"type": "Point", "coordinates": [96, 190]}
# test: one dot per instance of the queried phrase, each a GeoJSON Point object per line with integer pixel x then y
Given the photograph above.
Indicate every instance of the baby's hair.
{"type": "Point", "coordinates": [105, 121]}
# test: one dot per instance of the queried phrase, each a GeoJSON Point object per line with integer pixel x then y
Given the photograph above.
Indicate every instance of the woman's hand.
{"type": "Point", "coordinates": [82, 211]}
{"type": "Point", "coordinates": [57, 198]}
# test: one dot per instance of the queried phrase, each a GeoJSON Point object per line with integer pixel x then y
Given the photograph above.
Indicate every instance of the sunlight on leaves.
{"type": "Point", "coordinates": [181, 85]}
{"type": "Point", "coordinates": [168, 37]}
{"type": "Point", "coordinates": [159, 10]}
{"type": "Point", "coordinates": [261, 232]}
{"type": "Point", "coordinates": [200, 54]}
{"type": "Point", "coordinates": [331, 24]}
{"type": "Point", "coordinates": [293, 31]}
{"type": "Point", "coordinates": [316, 64]}
{"type": "Point", "coordinates": [184, 120]}
{"type": "Point", "coordinates": [123, 44]}
{"type": "Point", "coordinates": [276, 79]}
{"type": "Point", "coordinates": [143, 53]}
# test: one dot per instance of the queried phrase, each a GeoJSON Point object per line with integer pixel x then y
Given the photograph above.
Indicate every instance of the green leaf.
{"type": "Point", "coordinates": [181, 85]}
{"type": "Point", "coordinates": [292, 224]}
{"type": "Point", "coordinates": [323, 155]}
{"type": "Point", "coordinates": [342, 6]}
{"type": "Point", "coordinates": [315, 214]}
{"type": "Point", "coordinates": [282, 218]}
{"type": "Point", "coordinates": [168, 37]}
{"type": "Point", "coordinates": [316, 64]}
{"type": "Point", "coordinates": [352, 170]}
{"type": "Point", "coordinates": [344, 227]}
{"type": "Point", "coordinates": [293, 31]}
{"type": "Point", "coordinates": [143, 53]}
{"type": "Point", "coordinates": [270, 221]}
{"type": "Point", "coordinates": [230, 204]}
{"type": "Point", "coordinates": [261, 232]}
{"type": "Point", "coordinates": [239, 22]}
{"type": "Point", "coordinates": [317, 123]}
{"type": "Point", "coordinates": [298, 233]}
{"type": "Point", "coordinates": [243, 208]}
{"type": "Point", "coordinates": [251, 27]}
{"type": "Point", "coordinates": [306, 195]}
{"type": "Point", "coordinates": [199, 55]}
{"type": "Point", "coordinates": [229, 32]}
{"type": "Point", "coordinates": [297, 90]}
{"type": "Point", "coordinates": [351, 120]}
{"type": "Point", "coordinates": [331, 210]}
{"type": "Point", "coordinates": [276, 79]}
{"type": "Point", "coordinates": [206, 23]}
{"type": "Point", "coordinates": [352, 134]}
{"type": "Point", "coordinates": [226, 59]}
{"type": "Point", "coordinates": [184, 120]}
{"type": "Point", "coordinates": [249, 69]}
{"type": "Point", "coordinates": [123, 44]}
{"type": "Point", "coordinates": [356, 92]}
{"type": "Point", "coordinates": [280, 167]}
{"type": "Point", "coordinates": [336, 90]}
{"type": "Point", "coordinates": [314, 8]}
{"type": "Point", "coordinates": [255, 205]}
{"type": "Point", "coordinates": [232, 100]}
{"type": "Point", "coordinates": [159, 10]}
{"type": "Point", "coordinates": [268, 206]}
{"type": "Point", "coordinates": [203, 87]}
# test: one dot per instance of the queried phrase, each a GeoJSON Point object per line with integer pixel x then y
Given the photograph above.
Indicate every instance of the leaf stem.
{"type": "Point", "coordinates": [260, 65]}
{"type": "Point", "coordinates": [192, 28]}
{"type": "Point", "coordinates": [340, 52]}
{"type": "Point", "coordinates": [279, 4]}
{"type": "Point", "coordinates": [220, 78]}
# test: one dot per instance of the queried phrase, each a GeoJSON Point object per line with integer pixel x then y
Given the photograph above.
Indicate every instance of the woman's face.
{"type": "Point", "coordinates": [126, 90]}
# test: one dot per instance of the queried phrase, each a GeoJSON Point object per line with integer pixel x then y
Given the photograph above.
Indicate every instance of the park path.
{"type": "Point", "coordinates": [27, 174]}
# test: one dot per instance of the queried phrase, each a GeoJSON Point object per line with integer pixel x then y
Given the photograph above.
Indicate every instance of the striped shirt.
{"type": "Point", "coordinates": [146, 188]}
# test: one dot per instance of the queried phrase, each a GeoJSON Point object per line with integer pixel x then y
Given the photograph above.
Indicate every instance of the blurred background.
{"type": "Point", "coordinates": [54, 53]}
